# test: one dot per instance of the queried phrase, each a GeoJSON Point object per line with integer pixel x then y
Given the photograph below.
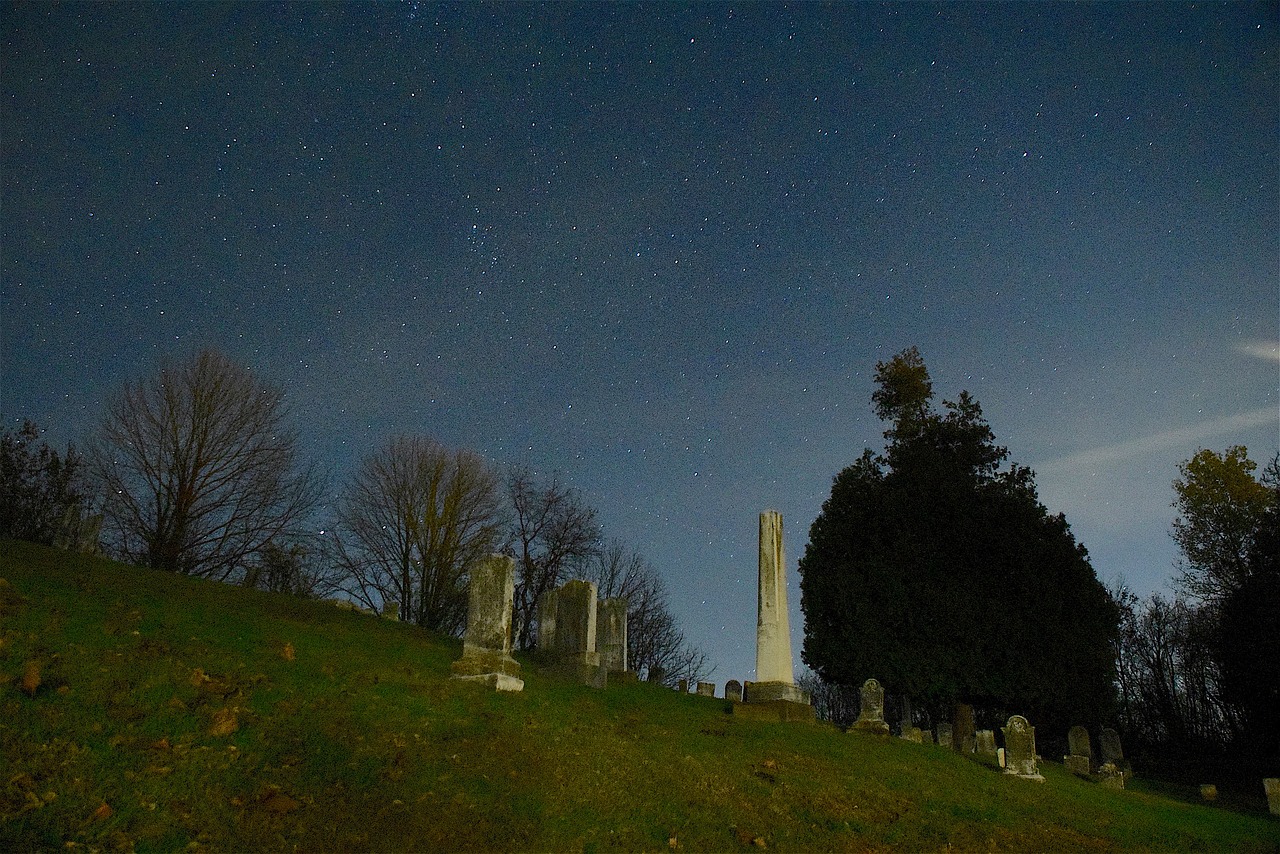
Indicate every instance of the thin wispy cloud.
{"type": "Point", "coordinates": [1268, 350]}
{"type": "Point", "coordinates": [1187, 436]}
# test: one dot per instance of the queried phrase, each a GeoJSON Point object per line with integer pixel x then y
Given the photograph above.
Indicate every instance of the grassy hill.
{"type": "Point", "coordinates": [142, 710]}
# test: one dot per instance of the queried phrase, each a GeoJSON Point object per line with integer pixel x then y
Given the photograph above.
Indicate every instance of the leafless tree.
{"type": "Point", "coordinates": [199, 470]}
{"type": "Point", "coordinates": [553, 530]}
{"type": "Point", "coordinates": [414, 518]}
{"type": "Point", "coordinates": [655, 644]}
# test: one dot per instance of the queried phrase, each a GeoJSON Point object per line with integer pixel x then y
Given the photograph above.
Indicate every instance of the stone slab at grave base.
{"type": "Point", "coordinates": [1076, 765]}
{"type": "Point", "coordinates": [584, 668]}
{"type": "Point", "coordinates": [786, 711]}
{"type": "Point", "coordinates": [774, 701]}
{"type": "Point", "coordinates": [1110, 776]}
{"type": "Point", "coordinates": [490, 667]}
{"type": "Point", "coordinates": [769, 692]}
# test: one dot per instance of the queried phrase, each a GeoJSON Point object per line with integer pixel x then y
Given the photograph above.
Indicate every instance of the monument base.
{"type": "Point", "coordinates": [495, 681]}
{"type": "Point", "coordinates": [785, 711]}
{"type": "Point", "coordinates": [1078, 765]}
{"type": "Point", "coordinates": [490, 666]}
{"type": "Point", "coordinates": [870, 725]}
{"type": "Point", "coordinates": [768, 692]}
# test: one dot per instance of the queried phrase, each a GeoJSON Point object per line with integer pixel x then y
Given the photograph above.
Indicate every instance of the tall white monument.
{"type": "Point", "coordinates": [774, 675]}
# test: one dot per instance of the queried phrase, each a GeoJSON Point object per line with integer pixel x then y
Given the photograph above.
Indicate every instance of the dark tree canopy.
{"type": "Point", "coordinates": [41, 491]}
{"type": "Point", "coordinates": [938, 572]}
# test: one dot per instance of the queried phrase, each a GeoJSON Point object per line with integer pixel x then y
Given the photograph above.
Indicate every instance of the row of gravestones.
{"type": "Point", "coordinates": [588, 638]}
{"type": "Point", "coordinates": [1111, 771]}
{"type": "Point", "coordinates": [576, 633]}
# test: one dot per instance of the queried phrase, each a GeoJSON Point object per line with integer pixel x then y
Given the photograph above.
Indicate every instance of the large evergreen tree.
{"type": "Point", "coordinates": [936, 570]}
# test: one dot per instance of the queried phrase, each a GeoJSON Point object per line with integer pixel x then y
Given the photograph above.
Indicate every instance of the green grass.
{"type": "Point", "coordinates": [172, 702]}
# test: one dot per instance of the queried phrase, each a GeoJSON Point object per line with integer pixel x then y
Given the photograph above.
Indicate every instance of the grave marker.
{"type": "Point", "coordinates": [486, 648]}
{"type": "Point", "coordinates": [1020, 748]}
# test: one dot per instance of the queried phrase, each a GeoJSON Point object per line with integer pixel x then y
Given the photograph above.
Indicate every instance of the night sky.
{"type": "Point", "coordinates": [660, 248]}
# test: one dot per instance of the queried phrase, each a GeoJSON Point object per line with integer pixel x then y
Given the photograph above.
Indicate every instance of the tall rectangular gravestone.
{"type": "Point", "coordinates": [962, 732]}
{"type": "Point", "coordinates": [611, 633]}
{"type": "Point", "coordinates": [1020, 748]}
{"type": "Point", "coordinates": [574, 643]}
{"type": "Point", "coordinates": [486, 648]}
{"type": "Point", "coordinates": [945, 734]}
{"type": "Point", "coordinates": [984, 742]}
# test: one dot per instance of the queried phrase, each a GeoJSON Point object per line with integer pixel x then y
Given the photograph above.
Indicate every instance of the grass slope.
{"type": "Point", "coordinates": [172, 713]}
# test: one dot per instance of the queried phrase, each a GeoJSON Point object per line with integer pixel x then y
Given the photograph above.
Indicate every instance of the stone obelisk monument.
{"type": "Point", "coordinates": [775, 678]}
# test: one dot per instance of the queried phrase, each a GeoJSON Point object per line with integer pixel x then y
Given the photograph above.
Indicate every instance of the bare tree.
{"type": "Point", "coordinates": [655, 644]}
{"type": "Point", "coordinates": [414, 518]}
{"type": "Point", "coordinates": [199, 470]}
{"type": "Point", "coordinates": [553, 529]}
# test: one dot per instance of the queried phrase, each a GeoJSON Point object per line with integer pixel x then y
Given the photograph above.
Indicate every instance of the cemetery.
{"type": "Point", "coordinates": [331, 729]}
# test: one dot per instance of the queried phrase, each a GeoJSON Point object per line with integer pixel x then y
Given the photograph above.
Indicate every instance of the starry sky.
{"type": "Point", "coordinates": [659, 248]}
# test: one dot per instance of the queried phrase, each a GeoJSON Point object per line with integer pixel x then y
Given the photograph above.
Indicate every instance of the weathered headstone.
{"type": "Point", "coordinates": [871, 715]}
{"type": "Point", "coordinates": [486, 648]}
{"type": "Point", "coordinates": [547, 607]}
{"type": "Point", "coordinates": [1208, 792]}
{"type": "Point", "coordinates": [1079, 758]}
{"type": "Point", "coordinates": [962, 728]}
{"type": "Point", "coordinates": [657, 674]}
{"type": "Point", "coordinates": [1109, 747]}
{"type": "Point", "coordinates": [733, 690]}
{"type": "Point", "coordinates": [1020, 748]}
{"type": "Point", "coordinates": [1001, 757]}
{"type": "Point", "coordinates": [945, 734]}
{"type": "Point", "coordinates": [682, 686]}
{"type": "Point", "coordinates": [1271, 785]}
{"type": "Point", "coordinates": [573, 642]}
{"type": "Point", "coordinates": [906, 722]}
{"type": "Point", "coordinates": [706, 689]}
{"type": "Point", "coordinates": [611, 633]}
{"type": "Point", "coordinates": [775, 680]}
{"type": "Point", "coordinates": [912, 733]}
{"type": "Point", "coordinates": [984, 742]}
{"type": "Point", "coordinates": [1110, 776]}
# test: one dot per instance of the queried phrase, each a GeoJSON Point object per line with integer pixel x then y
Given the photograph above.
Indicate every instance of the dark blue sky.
{"type": "Point", "coordinates": [660, 248]}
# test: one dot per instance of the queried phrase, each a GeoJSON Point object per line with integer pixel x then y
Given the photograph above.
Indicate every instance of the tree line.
{"type": "Point", "coordinates": [197, 470]}
{"type": "Point", "coordinates": [934, 568]}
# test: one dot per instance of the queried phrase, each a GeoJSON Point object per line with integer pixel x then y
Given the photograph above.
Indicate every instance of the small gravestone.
{"type": "Point", "coordinates": [1020, 748]}
{"type": "Point", "coordinates": [871, 715]}
{"type": "Point", "coordinates": [733, 690]}
{"type": "Point", "coordinates": [1078, 742]}
{"type": "Point", "coordinates": [657, 674]}
{"type": "Point", "coordinates": [1001, 757]}
{"type": "Point", "coordinates": [1079, 758]}
{"type": "Point", "coordinates": [1208, 792]}
{"type": "Point", "coordinates": [912, 733]}
{"type": "Point", "coordinates": [611, 633]}
{"type": "Point", "coordinates": [682, 686]}
{"type": "Point", "coordinates": [984, 742]}
{"type": "Point", "coordinates": [1271, 785]}
{"type": "Point", "coordinates": [486, 648]}
{"type": "Point", "coordinates": [962, 728]}
{"type": "Point", "coordinates": [706, 689]}
{"type": "Point", "coordinates": [1110, 776]}
{"type": "Point", "coordinates": [1109, 747]}
{"type": "Point", "coordinates": [945, 735]}
{"type": "Point", "coordinates": [906, 723]}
